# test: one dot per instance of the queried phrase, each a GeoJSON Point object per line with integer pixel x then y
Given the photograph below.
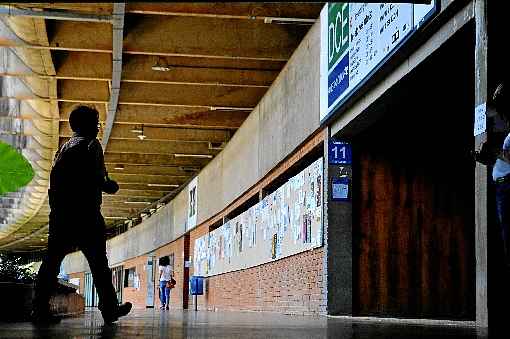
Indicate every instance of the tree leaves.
{"type": "Point", "coordinates": [15, 170]}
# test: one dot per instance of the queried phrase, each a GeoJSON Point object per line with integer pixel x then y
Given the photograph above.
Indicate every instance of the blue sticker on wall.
{"type": "Point", "coordinates": [339, 152]}
{"type": "Point", "coordinates": [340, 189]}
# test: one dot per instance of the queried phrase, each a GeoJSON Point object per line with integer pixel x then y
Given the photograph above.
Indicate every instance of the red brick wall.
{"type": "Point", "coordinates": [293, 285]}
{"type": "Point", "coordinates": [138, 297]}
{"type": "Point", "coordinates": [177, 249]}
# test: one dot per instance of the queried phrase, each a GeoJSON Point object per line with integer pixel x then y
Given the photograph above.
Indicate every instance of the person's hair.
{"type": "Point", "coordinates": [84, 119]}
{"type": "Point", "coordinates": [500, 100]}
{"type": "Point", "coordinates": [164, 261]}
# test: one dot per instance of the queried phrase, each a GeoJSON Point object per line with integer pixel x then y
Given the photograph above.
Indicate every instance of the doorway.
{"type": "Point", "coordinates": [413, 194]}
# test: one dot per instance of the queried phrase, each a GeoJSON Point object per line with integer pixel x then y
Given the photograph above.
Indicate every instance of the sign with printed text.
{"type": "Point", "coordinates": [339, 152]}
{"type": "Point", "coordinates": [340, 189]}
{"type": "Point", "coordinates": [357, 39]}
{"type": "Point", "coordinates": [480, 119]}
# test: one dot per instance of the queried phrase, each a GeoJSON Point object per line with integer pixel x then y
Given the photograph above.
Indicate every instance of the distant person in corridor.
{"type": "Point", "coordinates": [78, 178]}
{"type": "Point", "coordinates": [166, 282]}
{"type": "Point", "coordinates": [499, 157]}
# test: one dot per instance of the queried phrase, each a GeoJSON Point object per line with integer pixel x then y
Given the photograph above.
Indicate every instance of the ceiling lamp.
{"type": "Point", "coordinates": [141, 135]}
{"type": "Point", "coordinates": [178, 155]}
{"type": "Point", "coordinates": [161, 66]}
{"type": "Point", "coordinates": [119, 167]}
{"type": "Point", "coordinates": [162, 185]}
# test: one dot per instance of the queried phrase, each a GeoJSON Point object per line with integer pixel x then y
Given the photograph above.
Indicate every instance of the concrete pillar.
{"type": "Point", "coordinates": [481, 173]}
{"type": "Point", "coordinates": [491, 66]}
{"type": "Point", "coordinates": [337, 240]}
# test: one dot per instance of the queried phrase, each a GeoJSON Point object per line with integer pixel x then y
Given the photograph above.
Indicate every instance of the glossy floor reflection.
{"type": "Point", "coordinates": [189, 324]}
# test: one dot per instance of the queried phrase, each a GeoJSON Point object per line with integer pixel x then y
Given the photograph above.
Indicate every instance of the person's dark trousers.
{"type": "Point", "coordinates": [503, 208]}
{"type": "Point", "coordinates": [87, 234]}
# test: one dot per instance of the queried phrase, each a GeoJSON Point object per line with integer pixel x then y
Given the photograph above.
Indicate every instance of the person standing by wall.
{"type": "Point", "coordinates": [497, 154]}
{"type": "Point", "coordinates": [165, 282]}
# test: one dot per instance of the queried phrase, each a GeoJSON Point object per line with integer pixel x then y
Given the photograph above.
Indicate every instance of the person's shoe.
{"type": "Point", "coordinates": [167, 307]}
{"type": "Point", "coordinates": [44, 318]}
{"type": "Point", "coordinates": [162, 307]}
{"type": "Point", "coordinates": [120, 311]}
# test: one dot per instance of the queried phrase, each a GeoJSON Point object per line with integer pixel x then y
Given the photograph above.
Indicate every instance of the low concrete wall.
{"type": "Point", "coordinates": [17, 301]}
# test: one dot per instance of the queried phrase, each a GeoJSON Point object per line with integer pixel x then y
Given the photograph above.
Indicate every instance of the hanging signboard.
{"type": "Point", "coordinates": [357, 39]}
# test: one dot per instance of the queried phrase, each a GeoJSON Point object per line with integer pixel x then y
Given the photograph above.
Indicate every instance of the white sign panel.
{"type": "Point", "coordinates": [480, 119]}
{"type": "Point", "coordinates": [192, 204]}
{"type": "Point", "coordinates": [356, 39]}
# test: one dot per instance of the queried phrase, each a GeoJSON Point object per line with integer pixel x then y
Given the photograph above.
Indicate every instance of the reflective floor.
{"type": "Point", "coordinates": [189, 324]}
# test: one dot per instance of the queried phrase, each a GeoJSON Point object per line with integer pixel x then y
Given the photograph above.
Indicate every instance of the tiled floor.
{"type": "Point", "coordinates": [189, 324]}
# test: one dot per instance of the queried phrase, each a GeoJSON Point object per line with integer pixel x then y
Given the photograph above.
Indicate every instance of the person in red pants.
{"type": "Point", "coordinates": [77, 179]}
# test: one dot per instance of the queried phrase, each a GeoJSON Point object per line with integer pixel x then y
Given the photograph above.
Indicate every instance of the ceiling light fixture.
{"type": "Point", "coordinates": [161, 66]}
{"type": "Point", "coordinates": [140, 131]}
{"type": "Point", "coordinates": [179, 155]}
{"type": "Point", "coordinates": [137, 202]}
{"type": "Point", "coordinates": [142, 136]}
{"type": "Point", "coordinates": [119, 167]}
{"type": "Point", "coordinates": [162, 185]}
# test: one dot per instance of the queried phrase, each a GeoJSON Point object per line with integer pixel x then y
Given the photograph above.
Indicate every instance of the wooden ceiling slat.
{"type": "Point", "coordinates": [152, 170]}
{"type": "Point", "coordinates": [159, 133]}
{"type": "Point", "coordinates": [181, 116]}
{"type": "Point", "coordinates": [161, 94]}
{"type": "Point", "coordinates": [158, 147]}
{"type": "Point", "coordinates": [152, 159]}
{"type": "Point", "coordinates": [138, 68]}
{"type": "Point", "coordinates": [241, 10]}
{"type": "Point", "coordinates": [198, 37]}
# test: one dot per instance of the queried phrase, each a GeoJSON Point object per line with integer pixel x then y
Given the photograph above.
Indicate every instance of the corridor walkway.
{"type": "Point", "coordinates": [189, 324]}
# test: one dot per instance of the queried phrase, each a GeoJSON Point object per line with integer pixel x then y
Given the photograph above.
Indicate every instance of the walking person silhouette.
{"type": "Point", "coordinates": [77, 179]}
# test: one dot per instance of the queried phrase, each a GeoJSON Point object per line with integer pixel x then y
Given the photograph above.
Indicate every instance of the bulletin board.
{"type": "Point", "coordinates": [284, 223]}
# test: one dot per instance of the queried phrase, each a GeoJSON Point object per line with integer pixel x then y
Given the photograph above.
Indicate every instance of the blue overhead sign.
{"type": "Point", "coordinates": [339, 152]}
{"type": "Point", "coordinates": [357, 39]}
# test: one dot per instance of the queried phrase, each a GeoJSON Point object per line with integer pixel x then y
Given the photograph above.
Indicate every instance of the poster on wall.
{"type": "Point", "coordinates": [201, 256]}
{"type": "Point", "coordinates": [192, 204]}
{"type": "Point", "coordinates": [286, 222]}
{"type": "Point", "coordinates": [357, 39]}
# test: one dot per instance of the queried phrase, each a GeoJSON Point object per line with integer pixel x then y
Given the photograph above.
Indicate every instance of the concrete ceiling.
{"type": "Point", "coordinates": [220, 58]}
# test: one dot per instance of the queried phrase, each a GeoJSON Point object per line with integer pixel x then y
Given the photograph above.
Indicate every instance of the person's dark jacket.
{"type": "Point", "coordinates": [78, 176]}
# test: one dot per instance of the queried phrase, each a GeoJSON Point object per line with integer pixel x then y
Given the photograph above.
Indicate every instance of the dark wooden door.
{"type": "Point", "coordinates": [414, 244]}
{"type": "Point", "coordinates": [413, 194]}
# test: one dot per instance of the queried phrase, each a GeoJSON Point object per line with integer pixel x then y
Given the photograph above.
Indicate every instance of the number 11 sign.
{"type": "Point", "coordinates": [339, 152]}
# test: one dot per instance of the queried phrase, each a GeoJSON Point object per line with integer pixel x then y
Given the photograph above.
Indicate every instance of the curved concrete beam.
{"type": "Point", "coordinates": [118, 37]}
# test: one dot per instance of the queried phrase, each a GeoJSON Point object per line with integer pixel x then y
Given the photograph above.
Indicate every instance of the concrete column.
{"type": "Point", "coordinates": [481, 171]}
{"type": "Point", "coordinates": [337, 241]}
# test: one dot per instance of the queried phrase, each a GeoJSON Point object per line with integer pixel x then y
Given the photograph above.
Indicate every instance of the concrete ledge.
{"type": "Point", "coordinates": [17, 301]}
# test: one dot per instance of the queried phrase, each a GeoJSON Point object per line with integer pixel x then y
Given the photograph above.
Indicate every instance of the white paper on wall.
{"type": "Point", "coordinates": [289, 221]}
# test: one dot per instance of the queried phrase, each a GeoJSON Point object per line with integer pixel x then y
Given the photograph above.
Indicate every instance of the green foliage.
{"type": "Point", "coordinates": [12, 270]}
{"type": "Point", "coordinates": [15, 170]}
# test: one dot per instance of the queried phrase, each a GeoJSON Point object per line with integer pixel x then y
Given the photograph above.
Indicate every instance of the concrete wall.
{"type": "Point", "coordinates": [285, 117]}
